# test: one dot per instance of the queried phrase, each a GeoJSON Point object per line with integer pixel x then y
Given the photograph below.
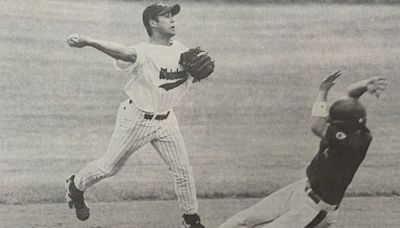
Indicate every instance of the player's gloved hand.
{"type": "Point", "coordinates": [329, 81]}
{"type": "Point", "coordinates": [198, 63]}
{"type": "Point", "coordinates": [77, 40]}
{"type": "Point", "coordinates": [376, 85]}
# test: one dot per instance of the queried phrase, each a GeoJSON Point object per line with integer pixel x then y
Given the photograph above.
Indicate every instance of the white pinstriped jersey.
{"type": "Point", "coordinates": [157, 85]}
{"type": "Point", "coordinates": [158, 81]}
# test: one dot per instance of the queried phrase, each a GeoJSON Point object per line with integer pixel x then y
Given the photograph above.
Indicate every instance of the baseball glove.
{"type": "Point", "coordinates": [198, 63]}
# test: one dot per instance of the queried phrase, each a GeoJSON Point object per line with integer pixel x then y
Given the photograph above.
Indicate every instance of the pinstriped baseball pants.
{"type": "Point", "coordinates": [131, 132]}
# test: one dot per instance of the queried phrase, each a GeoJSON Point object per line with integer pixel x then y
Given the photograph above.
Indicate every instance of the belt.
{"type": "Point", "coordinates": [151, 116]}
{"type": "Point", "coordinates": [317, 200]}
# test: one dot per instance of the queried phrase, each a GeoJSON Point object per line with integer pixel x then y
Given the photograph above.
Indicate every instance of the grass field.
{"type": "Point", "coordinates": [246, 128]}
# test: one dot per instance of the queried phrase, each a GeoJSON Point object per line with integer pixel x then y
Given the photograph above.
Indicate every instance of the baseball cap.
{"type": "Point", "coordinates": [158, 9]}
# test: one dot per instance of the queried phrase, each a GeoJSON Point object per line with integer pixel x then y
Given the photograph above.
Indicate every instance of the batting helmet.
{"type": "Point", "coordinates": [348, 113]}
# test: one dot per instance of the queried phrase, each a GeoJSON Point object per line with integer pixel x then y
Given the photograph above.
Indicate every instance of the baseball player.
{"type": "Point", "coordinates": [314, 201]}
{"type": "Point", "coordinates": [158, 82]}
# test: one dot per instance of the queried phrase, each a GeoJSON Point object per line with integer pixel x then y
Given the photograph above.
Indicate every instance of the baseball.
{"type": "Point", "coordinates": [151, 101]}
{"type": "Point", "coordinates": [73, 39]}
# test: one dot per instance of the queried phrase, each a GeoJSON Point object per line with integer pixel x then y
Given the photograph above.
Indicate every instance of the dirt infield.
{"type": "Point", "coordinates": [356, 212]}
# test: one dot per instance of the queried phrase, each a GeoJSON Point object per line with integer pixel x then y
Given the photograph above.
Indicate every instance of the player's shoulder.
{"type": "Point", "coordinates": [335, 135]}
{"type": "Point", "coordinates": [177, 44]}
{"type": "Point", "coordinates": [149, 46]}
{"type": "Point", "coordinates": [144, 48]}
{"type": "Point", "coordinates": [141, 45]}
{"type": "Point", "coordinates": [366, 135]}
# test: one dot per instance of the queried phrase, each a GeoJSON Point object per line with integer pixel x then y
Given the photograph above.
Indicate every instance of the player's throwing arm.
{"type": "Point", "coordinates": [162, 70]}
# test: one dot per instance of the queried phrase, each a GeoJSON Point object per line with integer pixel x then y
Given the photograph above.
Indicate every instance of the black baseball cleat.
{"type": "Point", "coordinates": [191, 221]}
{"type": "Point", "coordinates": [75, 199]}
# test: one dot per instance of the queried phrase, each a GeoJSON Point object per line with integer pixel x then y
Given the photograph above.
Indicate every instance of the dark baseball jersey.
{"type": "Point", "coordinates": [339, 156]}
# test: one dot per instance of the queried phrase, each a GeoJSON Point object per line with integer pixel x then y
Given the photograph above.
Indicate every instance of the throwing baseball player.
{"type": "Point", "coordinates": [345, 138]}
{"type": "Point", "coordinates": [162, 71]}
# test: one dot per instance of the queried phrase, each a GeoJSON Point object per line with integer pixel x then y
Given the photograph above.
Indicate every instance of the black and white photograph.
{"type": "Point", "coordinates": [199, 114]}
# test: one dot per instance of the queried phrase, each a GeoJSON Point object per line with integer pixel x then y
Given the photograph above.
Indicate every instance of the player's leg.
{"type": "Point", "coordinates": [130, 133]}
{"type": "Point", "coordinates": [171, 147]}
{"type": "Point", "coordinates": [265, 211]}
{"type": "Point", "coordinates": [330, 219]}
{"type": "Point", "coordinates": [305, 217]}
{"type": "Point", "coordinates": [304, 212]}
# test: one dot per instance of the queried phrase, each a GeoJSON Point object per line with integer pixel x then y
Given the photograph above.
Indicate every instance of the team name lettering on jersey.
{"type": "Point", "coordinates": [182, 76]}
